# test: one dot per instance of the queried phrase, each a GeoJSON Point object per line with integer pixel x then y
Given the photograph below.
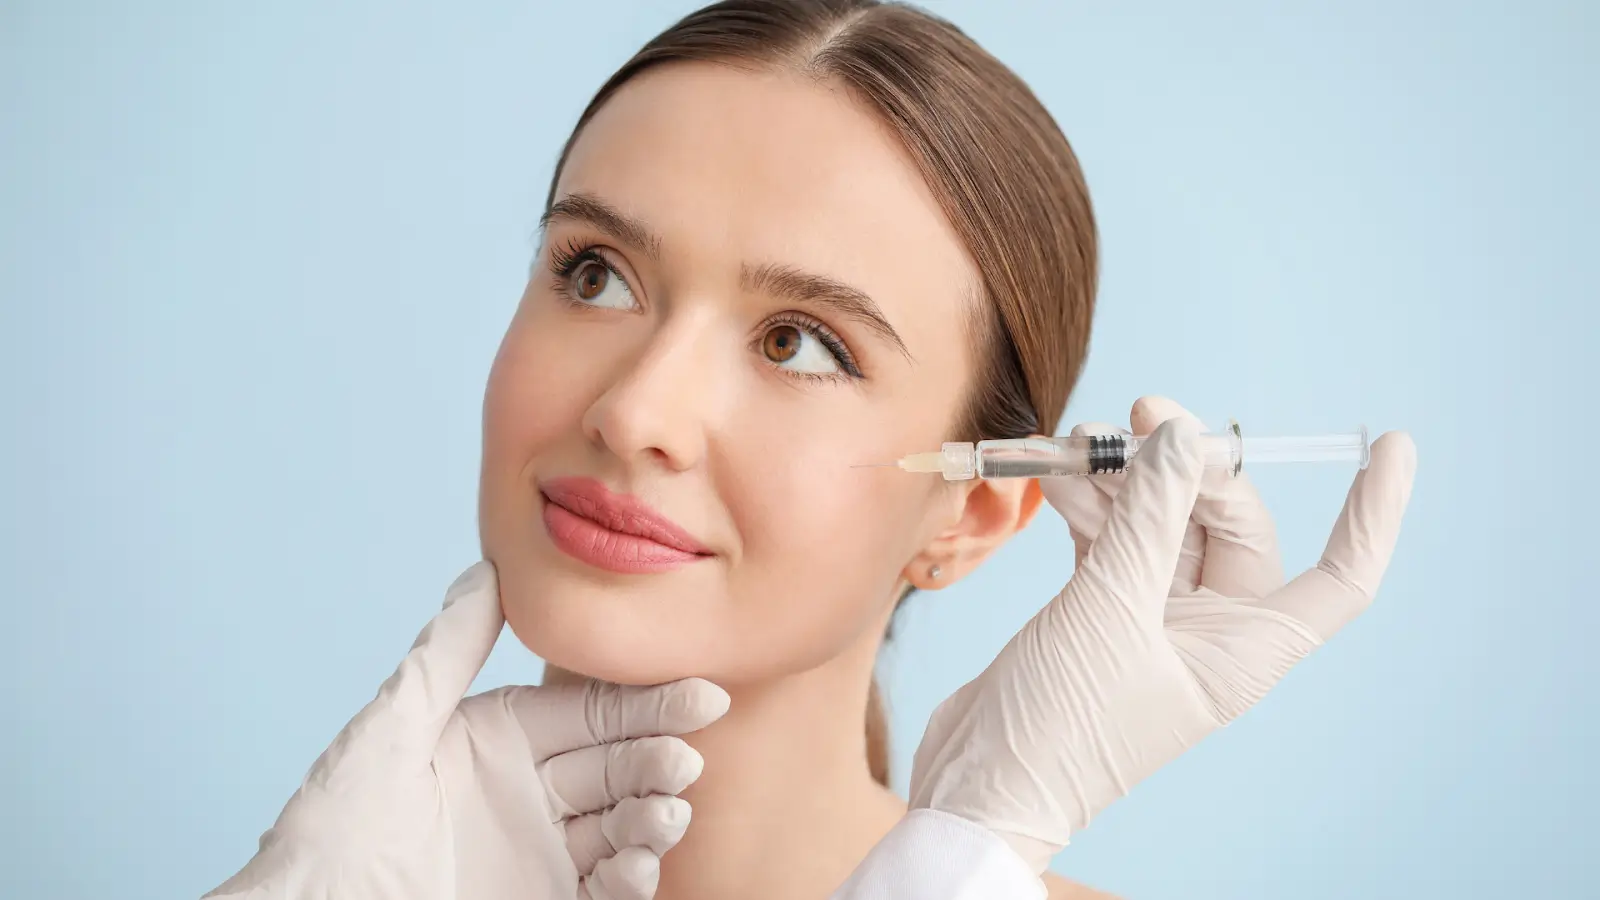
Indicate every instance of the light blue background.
{"type": "Point", "coordinates": [255, 258]}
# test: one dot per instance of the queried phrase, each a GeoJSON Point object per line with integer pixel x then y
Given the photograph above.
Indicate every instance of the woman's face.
{"type": "Point", "coordinates": [745, 288]}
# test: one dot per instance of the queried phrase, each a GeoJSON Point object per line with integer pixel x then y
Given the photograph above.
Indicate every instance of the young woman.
{"type": "Point", "coordinates": [784, 238]}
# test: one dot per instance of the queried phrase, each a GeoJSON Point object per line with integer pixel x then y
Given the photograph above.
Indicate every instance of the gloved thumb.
{"type": "Point", "coordinates": [403, 723]}
{"type": "Point", "coordinates": [1132, 560]}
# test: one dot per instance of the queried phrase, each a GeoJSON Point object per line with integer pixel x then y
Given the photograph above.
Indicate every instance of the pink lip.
{"type": "Point", "coordinates": [613, 531]}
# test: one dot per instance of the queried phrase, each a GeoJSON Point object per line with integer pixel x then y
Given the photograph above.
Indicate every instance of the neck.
{"type": "Point", "coordinates": [786, 805]}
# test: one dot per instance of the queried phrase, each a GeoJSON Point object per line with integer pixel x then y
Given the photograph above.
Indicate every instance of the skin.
{"type": "Point", "coordinates": [665, 369]}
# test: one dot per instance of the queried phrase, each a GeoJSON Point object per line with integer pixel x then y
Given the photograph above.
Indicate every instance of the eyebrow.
{"type": "Point", "coordinates": [602, 215]}
{"type": "Point", "coordinates": [820, 290]}
{"type": "Point", "coordinates": [782, 281]}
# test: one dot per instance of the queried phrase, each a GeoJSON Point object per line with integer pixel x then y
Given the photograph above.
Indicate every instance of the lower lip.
{"type": "Point", "coordinates": [587, 541]}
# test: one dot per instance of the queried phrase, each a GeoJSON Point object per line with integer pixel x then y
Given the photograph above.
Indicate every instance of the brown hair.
{"type": "Point", "coordinates": [994, 158]}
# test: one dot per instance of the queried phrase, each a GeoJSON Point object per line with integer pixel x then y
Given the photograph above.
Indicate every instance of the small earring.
{"type": "Point", "coordinates": [934, 572]}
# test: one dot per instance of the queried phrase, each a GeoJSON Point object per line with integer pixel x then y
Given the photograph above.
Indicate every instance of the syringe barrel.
{"type": "Point", "coordinates": [1099, 454]}
{"type": "Point", "coordinates": [1106, 454]}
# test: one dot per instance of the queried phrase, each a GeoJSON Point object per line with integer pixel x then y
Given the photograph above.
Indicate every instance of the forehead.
{"type": "Point", "coordinates": [733, 166]}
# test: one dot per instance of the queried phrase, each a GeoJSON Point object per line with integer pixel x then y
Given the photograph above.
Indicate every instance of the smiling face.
{"type": "Point", "coordinates": [745, 288]}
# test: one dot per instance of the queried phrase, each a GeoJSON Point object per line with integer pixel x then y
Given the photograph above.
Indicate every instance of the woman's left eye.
{"type": "Point", "coordinates": [593, 282]}
{"type": "Point", "coordinates": [806, 350]}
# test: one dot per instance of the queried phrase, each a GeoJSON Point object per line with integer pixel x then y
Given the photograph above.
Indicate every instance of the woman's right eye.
{"type": "Point", "coordinates": [593, 282]}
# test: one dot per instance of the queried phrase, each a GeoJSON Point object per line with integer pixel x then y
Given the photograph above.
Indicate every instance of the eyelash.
{"type": "Point", "coordinates": [566, 258]}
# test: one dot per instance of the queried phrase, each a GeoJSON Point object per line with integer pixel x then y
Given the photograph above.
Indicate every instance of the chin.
{"type": "Point", "coordinates": [591, 637]}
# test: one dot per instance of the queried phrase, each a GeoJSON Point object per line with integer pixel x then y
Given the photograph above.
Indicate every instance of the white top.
{"type": "Point", "coordinates": [933, 855]}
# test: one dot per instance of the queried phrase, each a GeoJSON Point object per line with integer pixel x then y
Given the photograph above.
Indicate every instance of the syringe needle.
{"type": "Point", "coordinates": [875, 465]}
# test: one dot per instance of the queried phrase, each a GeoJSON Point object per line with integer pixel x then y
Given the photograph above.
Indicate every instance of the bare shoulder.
{"type": "Point", "coordinates": [1061, 889]}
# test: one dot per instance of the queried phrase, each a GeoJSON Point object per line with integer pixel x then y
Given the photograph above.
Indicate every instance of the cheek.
{"type": "Point", "coordinates": [536, 393]}
{"type": "Point", "coordinates": [538, 390]}
{"type": "Point", "coordinates": [823, 549]}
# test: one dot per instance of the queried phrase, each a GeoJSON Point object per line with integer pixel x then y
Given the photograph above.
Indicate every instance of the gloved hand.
{"type": "Point", "coordinates": [533, 793]}
{"type": "Point", "coordinates": [1176, 621]}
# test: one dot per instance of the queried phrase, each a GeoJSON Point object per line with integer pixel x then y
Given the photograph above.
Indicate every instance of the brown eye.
{"type": "Point", "coordinates": [590, 279]}
{"type": "Point", "coordinates": [802, 348]}
{"type": "Point", "coordinates": [782, 343]}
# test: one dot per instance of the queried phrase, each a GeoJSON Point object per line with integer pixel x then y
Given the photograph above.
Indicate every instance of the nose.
{"type": "Point", "coordinates": [661, 405]}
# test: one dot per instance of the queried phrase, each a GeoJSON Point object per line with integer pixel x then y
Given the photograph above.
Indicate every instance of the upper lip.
{"type": "Point", "coordinates": [622, 513]}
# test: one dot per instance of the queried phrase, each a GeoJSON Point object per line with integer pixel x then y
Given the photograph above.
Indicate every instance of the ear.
{"type": "Point", "coordinates": [990, 513]}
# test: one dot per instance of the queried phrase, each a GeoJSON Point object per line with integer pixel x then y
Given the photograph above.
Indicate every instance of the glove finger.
{"type": "Point", "coordinates": [562, 718]}
{"type": "Point", "coordinates": [656, 822]}
{"type": "Point", "coordinates": [1240, 556]}
{"type": "Point", "coordinates": [590, 779]}
{"type": "Point", "coordinates": [1241, 552]}
{"type": "Point", "coordinates": [1137, 552]}
{"type": "Point", "coordinates": [404, 721]}
{"type": "Point", "coordinates": [1344, 582]}
{"type": "Point", "coordinates": [632, 874]}
{"type": "Point", "coordinates": [1186, 574]}
{"type": "Point", "coordinates": [1146, 416]}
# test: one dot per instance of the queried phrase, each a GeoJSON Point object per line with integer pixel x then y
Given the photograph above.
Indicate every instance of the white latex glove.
{"type": "Point", "coordinates": [1176, 621]}
{"type": "Point", "coordinates": [533, 793]}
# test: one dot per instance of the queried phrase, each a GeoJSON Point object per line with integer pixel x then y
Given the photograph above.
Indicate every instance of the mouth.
{"type": "Point", "coordinates": [615, 532]}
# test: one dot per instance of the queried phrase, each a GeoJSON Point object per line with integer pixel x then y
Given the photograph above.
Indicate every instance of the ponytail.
{"type": "Point", "coordinates": [877, 735]}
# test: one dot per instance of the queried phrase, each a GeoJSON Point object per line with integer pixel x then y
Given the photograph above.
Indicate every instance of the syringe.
{"type": "Point", "coordinates": [1103, 454]}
